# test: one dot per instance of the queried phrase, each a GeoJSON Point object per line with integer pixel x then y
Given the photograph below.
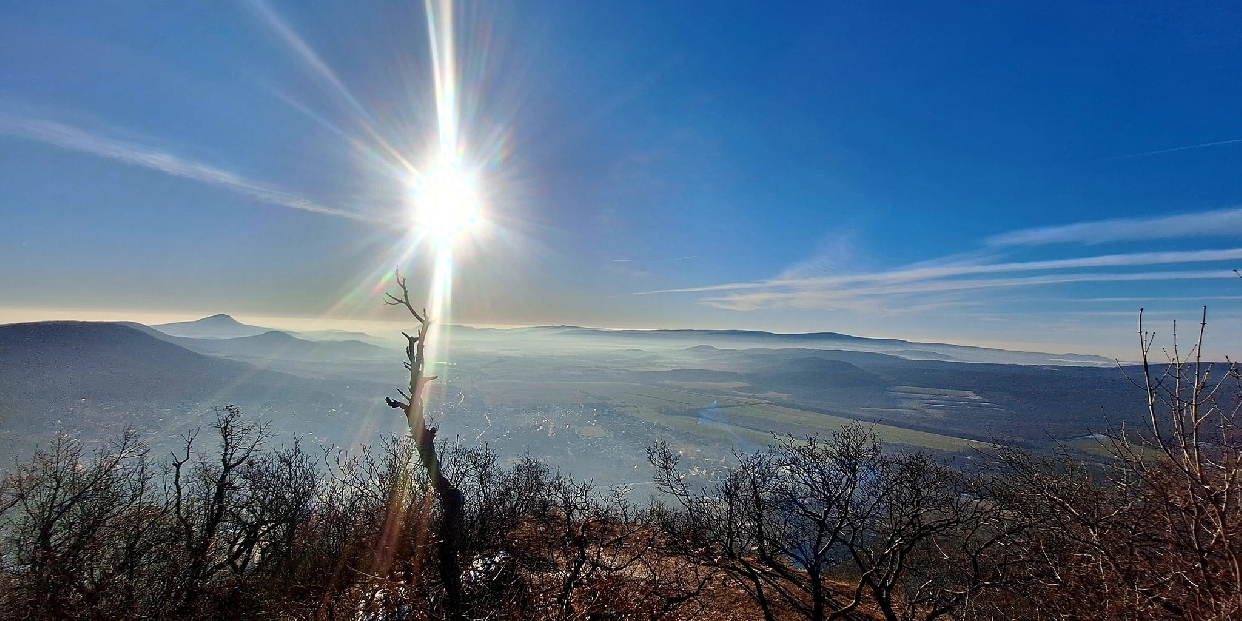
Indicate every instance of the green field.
{"type": "Point", "coordinates": [751, 419]}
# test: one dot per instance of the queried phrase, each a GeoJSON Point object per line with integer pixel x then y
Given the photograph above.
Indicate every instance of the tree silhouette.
{"type": "Point", "coordinates": [450, 523]}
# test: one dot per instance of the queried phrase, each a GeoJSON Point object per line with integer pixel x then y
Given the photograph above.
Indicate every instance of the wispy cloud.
{"type": "Point", "coordinates": [1219, 143]}
{"type": "Point", "coordinates": [836, 253]}
{"type": "Point", "coordinates": [655, 260]}
{"type": "Point", "coordinates": [79, 140]}
{"type": "Point", "coordinates": [1216, 223]}
{"type": "Point", "coordinates": [909, 274]}
{"type": "Point", "coordinates": [850, 298]}
{"type": "Point", "coordinates": [957, 281]}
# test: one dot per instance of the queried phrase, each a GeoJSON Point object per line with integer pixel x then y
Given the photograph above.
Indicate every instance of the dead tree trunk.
{"type": "Point", "coordinates": [450, 524]}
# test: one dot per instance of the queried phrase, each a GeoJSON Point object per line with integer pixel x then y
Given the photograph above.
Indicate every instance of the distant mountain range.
{"type": "Point", "coordinates": [265, 345]}
{"type": "Point", "coordinates": [275, 344]}
{"type": "Point", "coordinates": [223, 326]}
{"type": "Point", "coordinates": [743, 339]}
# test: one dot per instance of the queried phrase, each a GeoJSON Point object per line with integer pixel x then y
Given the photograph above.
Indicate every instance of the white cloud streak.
{"type": "Point", "coordinates": [848, 298]}
{"type": "Point", "coordinates": [674, 259]}
{"type": "Point", "coordinates": [964, 280]}
{"type": "Point", "coordinates": [974, 269]}
{"type": "Point", "coordinates": [1217, 223]}
{"type": "Point", "coordinates": [1204, 145]}
{"type": "Point", "coordinates": [78, 140]}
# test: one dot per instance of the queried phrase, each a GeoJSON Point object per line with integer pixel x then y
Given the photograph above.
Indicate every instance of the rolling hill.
{"type": "Point", "coordinates": [96, 378]}
{"type": "Point", "coordinates": [222, 326]}
{"type": "Point", "coordinates": [749, 339]}
{"type": "Point", "coordinates": [277, 345]}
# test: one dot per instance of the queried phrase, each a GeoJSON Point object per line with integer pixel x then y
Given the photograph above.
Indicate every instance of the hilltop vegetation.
{"type": "Point", "coordinates": [829, 527]}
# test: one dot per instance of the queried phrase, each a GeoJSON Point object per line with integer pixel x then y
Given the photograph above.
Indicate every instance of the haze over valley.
{"type": "Point", "coordinates": [589, 401]}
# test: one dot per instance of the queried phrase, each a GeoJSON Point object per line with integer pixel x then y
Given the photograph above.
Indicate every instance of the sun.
{"type": "Point", "coordinates": [447, 206]}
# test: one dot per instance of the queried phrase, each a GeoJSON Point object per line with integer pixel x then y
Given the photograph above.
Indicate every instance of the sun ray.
{"type": "Point", "coordinates": [448, 201]}
{"type": "Point", "coordinates": [444, 71]}
{"type": "Point", "coordinates": [312, 61]}
{"type": "Point", "coordinates": [443, 200]}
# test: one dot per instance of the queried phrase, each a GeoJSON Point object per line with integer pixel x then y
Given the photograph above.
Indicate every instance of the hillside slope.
{"type": "Point", "coordinates": [95, 378]}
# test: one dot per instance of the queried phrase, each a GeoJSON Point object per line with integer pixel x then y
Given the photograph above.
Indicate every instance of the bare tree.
{"type": "Point", "coordinates": [1201, 447]}
{"type": "Point", "coordinates": [824, 526]}
{"type": "Point", "coordinates": [212, 506]}
{"type": "Point", "coordinates": [450, 524]}
{"type": "Point", "coordinates": [1156, 531]}
{"type": "Point", "coordinates": [776, 522]}
{"type": "Point", "coordinates": [931, 538]}
{"type": "Point", "coordinates": [1188, 464]}
{"type": "Point", "coordinates": [78, 532]}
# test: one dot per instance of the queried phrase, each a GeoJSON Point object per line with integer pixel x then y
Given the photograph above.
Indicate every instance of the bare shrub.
{"type": "Point", "coordinates": [1156, 532]}
{"type": "Point", "coordinates": [78, 531]}
{"type": "Point", "coordinates": [824, 526]}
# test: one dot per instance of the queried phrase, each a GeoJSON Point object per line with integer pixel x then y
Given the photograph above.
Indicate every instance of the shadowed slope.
{"type": "Point", "coordinates": [93, 378]}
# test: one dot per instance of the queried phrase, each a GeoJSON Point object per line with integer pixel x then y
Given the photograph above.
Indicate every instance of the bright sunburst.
{"type": "Point", "coordinates": [446, 204]}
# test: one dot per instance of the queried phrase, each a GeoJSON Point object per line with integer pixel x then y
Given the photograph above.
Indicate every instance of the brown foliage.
{"type": "Point", "coordinates": [245, 530]}
{"type": "Point", "coordinates": [1156, 533]}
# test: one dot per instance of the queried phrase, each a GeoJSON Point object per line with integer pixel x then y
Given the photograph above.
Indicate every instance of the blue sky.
{"type": "Point", "coordinates": [1017, 174]}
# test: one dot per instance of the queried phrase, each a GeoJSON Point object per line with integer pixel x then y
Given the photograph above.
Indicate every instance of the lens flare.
{"type": "Point", "coordinates": [440, 161]}
{"type": "Point", "coordinates": [441, 295]}
{"type": "Point", "coordinates": [446, 204]}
